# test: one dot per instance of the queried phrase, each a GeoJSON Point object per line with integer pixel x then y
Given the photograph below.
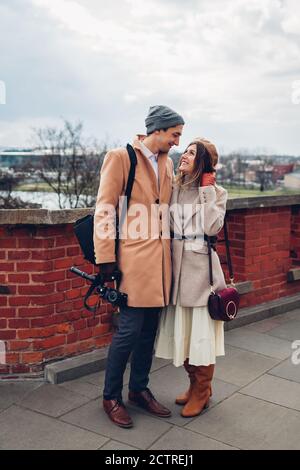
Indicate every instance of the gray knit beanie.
{"type": "Point", "coordinates": [162, 117]}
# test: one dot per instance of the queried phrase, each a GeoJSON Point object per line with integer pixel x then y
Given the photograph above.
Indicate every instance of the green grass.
{"type": "Point", "coordinates": [44, 187]}
{"type": "Point", "coordinates": [234, 191]}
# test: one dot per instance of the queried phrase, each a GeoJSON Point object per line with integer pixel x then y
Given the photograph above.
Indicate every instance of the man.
{"type": "Point", "coordinates": [144, 258]}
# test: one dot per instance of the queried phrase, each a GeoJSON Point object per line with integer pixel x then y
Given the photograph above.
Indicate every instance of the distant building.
{"type": "Point", "coordinates": [19, 158]}
{"type": "Point", "coordinates": [292, 180]}
{"type": "Point", "coordinates": [280, 170]}
{"type": "Point", "coordinates": [250, 176]}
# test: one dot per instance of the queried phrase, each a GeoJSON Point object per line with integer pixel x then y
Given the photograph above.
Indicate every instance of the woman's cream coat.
{"type": "Point", "coordinates": [203, 214]}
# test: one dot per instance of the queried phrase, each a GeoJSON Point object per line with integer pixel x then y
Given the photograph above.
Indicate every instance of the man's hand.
{"type": "Point", "coordinates": [107, 269]}
{"type": "Point", "coordinates": [208, 179]}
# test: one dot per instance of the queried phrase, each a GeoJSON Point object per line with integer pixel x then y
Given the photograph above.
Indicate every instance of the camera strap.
{"type": "Point", "coordinates": [95, 283]}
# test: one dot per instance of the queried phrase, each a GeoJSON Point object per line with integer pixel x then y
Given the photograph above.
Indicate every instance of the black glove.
{"type": "Point", "coordinates": [107, 270]}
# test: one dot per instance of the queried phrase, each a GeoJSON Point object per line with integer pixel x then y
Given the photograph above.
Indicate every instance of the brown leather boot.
{"type": "Point", "coordinates": [184, 397]}
{"type": "Point", "coordinates": [201, 390]}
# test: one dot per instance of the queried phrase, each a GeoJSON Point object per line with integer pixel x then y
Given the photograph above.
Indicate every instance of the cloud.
{"type": "Point", "coordinates": [227, 66]}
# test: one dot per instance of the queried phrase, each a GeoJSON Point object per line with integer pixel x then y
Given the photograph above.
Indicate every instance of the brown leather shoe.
{"type": "Point", "coordinates": [117, 412]}
{"type": "Point", "coordinates": [146, 400]}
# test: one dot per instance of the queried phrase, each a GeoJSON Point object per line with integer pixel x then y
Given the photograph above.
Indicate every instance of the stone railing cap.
{"type": "Point", "coordinates": [66, 216]}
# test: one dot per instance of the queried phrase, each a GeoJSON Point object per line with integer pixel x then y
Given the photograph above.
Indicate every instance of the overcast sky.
{"type": "Point", "coordinates": [228, 66]}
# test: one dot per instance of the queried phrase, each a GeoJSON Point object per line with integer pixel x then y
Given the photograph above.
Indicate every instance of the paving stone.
{"type": "Point", "coordinates": [255, 402]}
{"type": "Point", "coordinates": [96, 379]}
{"type": "Point", "coordinates": [99, 377]}
{"type": "Point", "coordinates": [240, 367]}
{"type": "Point", "coordinates": [289, 331]}
{"type": "Point", "coordinates": [287, 370]}
{"type": "Point", "coordinates": [27, 430]}
{"type": "Point", "coordinates": [92, 417]}
{"type": "Point", "coordinates": [183, 439]}
{"type": "Point", "coordinates": [53, 400]}
{"type": "Point", "coordinates": [82, 387]}
{"type": "Point", "coordinates": [248, 423]}
{"type": "Point", "coordinates": [114, 445]}
{"type": "Point", "coordinates": [291, 315]}
{"type": "Point", "coordinates": [275, 390]}
{"type": "Point", "coordinates": [169, 382]}
{"type": "Point", "coordinates": [159, 363]}
{"type": "Point", "coordinates": [14, 392]}
{"type": "Point", "coordinates": [264, 326]}
{"type": "Point", "coordinates": [260, 343]}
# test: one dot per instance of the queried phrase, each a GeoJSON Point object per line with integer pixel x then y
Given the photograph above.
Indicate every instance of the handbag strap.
{"type": "Point", "coordinates": [228, 257]}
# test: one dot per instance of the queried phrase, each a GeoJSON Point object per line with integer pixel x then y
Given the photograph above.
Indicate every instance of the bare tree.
{"type": "Point", "coordinates": [9, 181]}
{"type": "Point", "coordinates": [70, 164]}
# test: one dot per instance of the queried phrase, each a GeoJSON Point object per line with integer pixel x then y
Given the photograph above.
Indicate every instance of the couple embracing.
{"type": "Point", "coordinates": [164, 270]}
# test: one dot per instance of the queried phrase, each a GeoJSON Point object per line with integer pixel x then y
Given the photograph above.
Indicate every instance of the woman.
{"type": "Point", "coordinates": [187, 334]}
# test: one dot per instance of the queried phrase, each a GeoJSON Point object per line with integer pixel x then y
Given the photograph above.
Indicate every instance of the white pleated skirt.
{"type": "Point", "coordinates": [189, 332]}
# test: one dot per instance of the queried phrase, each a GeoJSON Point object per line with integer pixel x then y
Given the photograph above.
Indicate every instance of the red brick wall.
{"type": "Point", "coordinates": [260, 241]}
{"type": "Point", "coordinates": [295, 236]}
{"type": "Point", "coordinates": [43, 318]}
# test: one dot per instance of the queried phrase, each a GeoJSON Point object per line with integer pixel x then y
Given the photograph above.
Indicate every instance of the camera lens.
{"type": "Point", "coordinates": [112, 296]}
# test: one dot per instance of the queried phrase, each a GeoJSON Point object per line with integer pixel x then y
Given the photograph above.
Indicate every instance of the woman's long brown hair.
{"type": "Point", "coordinates": [203, 163]}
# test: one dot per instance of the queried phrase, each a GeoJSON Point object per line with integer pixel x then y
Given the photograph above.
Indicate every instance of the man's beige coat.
{"type": "Point", "coordinates": [144, 249]}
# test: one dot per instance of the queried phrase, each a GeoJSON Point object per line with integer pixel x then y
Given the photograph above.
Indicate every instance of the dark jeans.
{"type": "Point", "coordinates": [136, 334]}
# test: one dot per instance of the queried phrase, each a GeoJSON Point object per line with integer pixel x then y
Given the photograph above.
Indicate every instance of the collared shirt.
{"type": "Point", "coordinates": [152, 157]}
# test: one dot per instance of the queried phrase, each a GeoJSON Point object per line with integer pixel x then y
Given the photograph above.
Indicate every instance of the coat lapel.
{"type": "Point", "coordinates": [151, 172]}
{"type": "Point", "coordinates": [188, 214]}
{"type": "Point", "coordinates": [162, 170]}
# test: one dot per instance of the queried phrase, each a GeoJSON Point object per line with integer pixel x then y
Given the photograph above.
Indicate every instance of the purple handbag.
{"type": "Point", "coordinates": [222, 305]}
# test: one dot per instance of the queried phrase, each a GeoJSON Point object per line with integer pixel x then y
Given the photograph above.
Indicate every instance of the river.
{"type": "Point", "coordinates": [46, 199]}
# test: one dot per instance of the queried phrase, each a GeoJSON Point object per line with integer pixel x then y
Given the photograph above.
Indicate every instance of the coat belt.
{"type": "Point", "coordinates": [213, 239]}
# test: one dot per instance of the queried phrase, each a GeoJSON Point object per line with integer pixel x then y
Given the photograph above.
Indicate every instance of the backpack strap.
{"type": "Point", "coordinates": [98, 280]}
{"type": "Point", "coordinates": [130, 181]}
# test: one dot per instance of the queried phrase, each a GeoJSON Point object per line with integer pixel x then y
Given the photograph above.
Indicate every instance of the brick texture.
{"type": "Point", "coordinates": [42, 318]}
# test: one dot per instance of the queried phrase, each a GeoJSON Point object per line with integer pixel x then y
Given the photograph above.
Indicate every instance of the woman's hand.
{"type": "Point", "coordinates": [208, 179]}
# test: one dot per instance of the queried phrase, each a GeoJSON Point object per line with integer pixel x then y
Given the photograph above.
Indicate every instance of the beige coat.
{"type": "Point", "coordinates": [145, 261]}
{"type": "Point", "coordinates": [190, 267]}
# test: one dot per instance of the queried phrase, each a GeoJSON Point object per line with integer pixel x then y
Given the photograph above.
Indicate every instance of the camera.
{"type": "Point", "coordinates": [112, 296]}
